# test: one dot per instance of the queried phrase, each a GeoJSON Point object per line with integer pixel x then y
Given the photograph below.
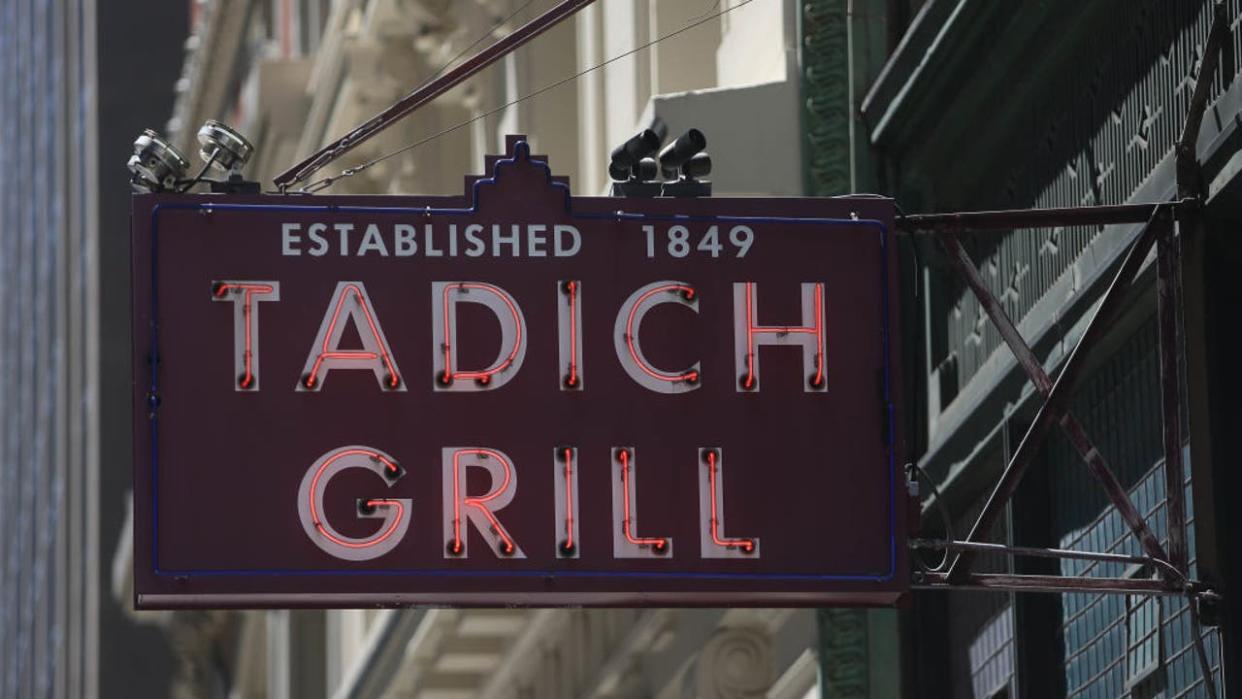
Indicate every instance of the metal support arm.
{"type": "Point", "coordinates": [428, 92]}
{"type": "Point", "coordinates": [1057, 395]}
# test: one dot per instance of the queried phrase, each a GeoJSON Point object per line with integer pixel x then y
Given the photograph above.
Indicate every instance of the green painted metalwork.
{"type": "Point", "coordinates": [1053, 110]}
{"type": "Point", "coordinates": [843, 47]}
{"type": "Point", "coordinates": [827, 109]}
{"type": "Point", "coordinates": [844, 667]}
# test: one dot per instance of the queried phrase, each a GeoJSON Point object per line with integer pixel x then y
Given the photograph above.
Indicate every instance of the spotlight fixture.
{"type": "Point", "coordinates": [678, 152]}
{"type": "Point", "coordinates": [633, 168]}
{"type": "Point", "coordinates": [683, 162]}
{"type": "Point", "coordinates": [155, 165]}
{"type": "Point", "coordinates": [642, 145]}
{"type": "Point", "coordinates": [222, 147]}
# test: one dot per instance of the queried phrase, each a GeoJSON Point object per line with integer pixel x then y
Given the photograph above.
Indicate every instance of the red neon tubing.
{"type": "Point", "coordinates": [325, 353]}
{"type": "Point", "coordinates": [250, 290]}
{"type": "Point", "coordinates": [572, 287]}
{"type": "Point", "coordinates": [449, 375]}
{"type": "Point", "coordinates": [569, 499]}
{"type": "Point", "coordinates": [752, 329]}
{"type": "Point", "coordinates": [478, 502]}
{"type": "Point", "coordinates": [629, 336]}
{"type": "Point", "coordinates": [370, 503]}
{"type": "Point", "coordinates": [744, 544]}
{"type": "Point", "coordinates": [819, 335]}
{"type": "Point", "coordinates": [750, 341]}
{"type": "Point", "coordinates": [658, 542]}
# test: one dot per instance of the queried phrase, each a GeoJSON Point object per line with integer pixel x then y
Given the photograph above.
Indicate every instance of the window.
{"type": "Point", "coordinates": [1144, 669]}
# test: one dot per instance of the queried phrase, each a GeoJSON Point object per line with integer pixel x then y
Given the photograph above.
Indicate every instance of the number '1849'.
{"type": "Point", "coordinates": [677, 241]}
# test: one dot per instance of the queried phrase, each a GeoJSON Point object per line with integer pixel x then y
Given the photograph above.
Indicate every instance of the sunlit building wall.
{"type": "Point", "coordinates": [49, 553]}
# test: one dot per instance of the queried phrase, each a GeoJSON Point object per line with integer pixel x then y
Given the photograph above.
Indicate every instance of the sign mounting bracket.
{"type": "Point", "coordinates": [1159, 231]}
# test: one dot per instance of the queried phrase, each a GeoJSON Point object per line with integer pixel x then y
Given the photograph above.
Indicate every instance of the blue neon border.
{"type": "Point", "coordinates": [521, 153]}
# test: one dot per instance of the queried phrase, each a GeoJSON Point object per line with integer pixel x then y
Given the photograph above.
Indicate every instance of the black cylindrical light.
{"type": "Point", "coordinates": [699, 165]}
{"type": "Point", "coordinates": [618, 172]}
{"type": "Point", "coordinates": [684, 148]}
{"type": "Point", "coordinates": [643, 144]}
{"type": "Point", "coordinates": [646, 170]}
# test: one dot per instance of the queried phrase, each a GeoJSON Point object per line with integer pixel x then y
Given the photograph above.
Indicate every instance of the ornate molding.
{"type": "Point", "coordinates": [736, 663]}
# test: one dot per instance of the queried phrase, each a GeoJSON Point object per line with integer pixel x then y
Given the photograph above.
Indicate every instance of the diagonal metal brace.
{"type": "Point", "coordinates": [1187, 166]}
{"type": "Point", "coordinates": [1056, 394]}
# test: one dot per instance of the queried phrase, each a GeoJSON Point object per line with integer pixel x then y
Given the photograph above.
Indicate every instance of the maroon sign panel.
{"type": "Point", "coordinates": [515, 397]}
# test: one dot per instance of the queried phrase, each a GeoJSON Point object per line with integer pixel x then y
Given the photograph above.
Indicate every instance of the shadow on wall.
{"type": "Point", "coordinates": [135, 91]}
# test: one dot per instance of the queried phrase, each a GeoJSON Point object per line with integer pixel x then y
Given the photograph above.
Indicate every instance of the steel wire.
{"type": "Point", "coordinates": [326, 182]}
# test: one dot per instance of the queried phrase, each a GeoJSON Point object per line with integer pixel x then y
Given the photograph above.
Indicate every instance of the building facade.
{"type": "Point", "coordinates": [48, 593]}
{"type": "Point", "coordinates": [69, 111]}
{"type": "Point", "coordinates": [989, 106]}
{"type": "Point", "coordinates": [946, 105]}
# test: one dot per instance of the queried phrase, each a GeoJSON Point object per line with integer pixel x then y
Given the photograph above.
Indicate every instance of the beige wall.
{"type": "Point", "coordinates": [728, 76]}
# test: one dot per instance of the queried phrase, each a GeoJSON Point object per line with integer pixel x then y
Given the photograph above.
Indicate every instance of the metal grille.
{"type": "Point", "coordinates": [1143, 661]}
{"type": "Point", "coordinates": [1095, 137]}
{"type": "Point", "coordinates": [981, 627]}
{"type": "Point", "coordinates": [1111, 640]}
{"type": "Point", "coordinates": [991, 656]}
{"type": "Point", "coordinates": [826, 110]}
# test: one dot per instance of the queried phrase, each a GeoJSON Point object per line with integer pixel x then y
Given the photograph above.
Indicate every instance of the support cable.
{"type": "Point", "coordinates": [917, 472]}
{"type": "Point", "coordinates": [326, 182]}
{"type": "Point", "coordinates": [1176, 580]}
{"type": "Point", "coordinates": [187, 185]}
{"type": "Point", "coordinates": [406, 105]}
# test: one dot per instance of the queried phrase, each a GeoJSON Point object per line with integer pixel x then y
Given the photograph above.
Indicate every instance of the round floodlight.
{"type": "Point", "coordinates": [155, 164]}
{"type": "Point", "coordinates": [223, 147]}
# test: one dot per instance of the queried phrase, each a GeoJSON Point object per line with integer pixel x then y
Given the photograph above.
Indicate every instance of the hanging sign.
{"type": "Point", "coordinates": [515, 397]}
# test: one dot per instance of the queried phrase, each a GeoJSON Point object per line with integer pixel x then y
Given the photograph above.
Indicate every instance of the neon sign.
{"type": "Point", "coordinates": [515, 397]}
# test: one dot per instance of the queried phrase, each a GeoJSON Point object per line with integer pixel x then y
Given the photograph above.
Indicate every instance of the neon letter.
{"type": "Point", "coordinates": [480, 511]}
{"type": "Point", "coordinates": [244, 296]}
{"type": "Point", "coordinates": [625, 543]}
{"type": "Point", "coordinates": [394, 512]}
{"type": "Point", "coordinates": [748, 335]}
{"type": "Point", "coordinates": [568, 321]}
{"type": "Point", "coordinates": [626, 337]}
{"type": "Point", "coordinates": [564, 469]}
{"type": "Point", "coordinates": [350, 302]}
{"type": "Point", "coordinates": [445, 297]}
{"type": "Point", "coordinates": [712, 541]}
